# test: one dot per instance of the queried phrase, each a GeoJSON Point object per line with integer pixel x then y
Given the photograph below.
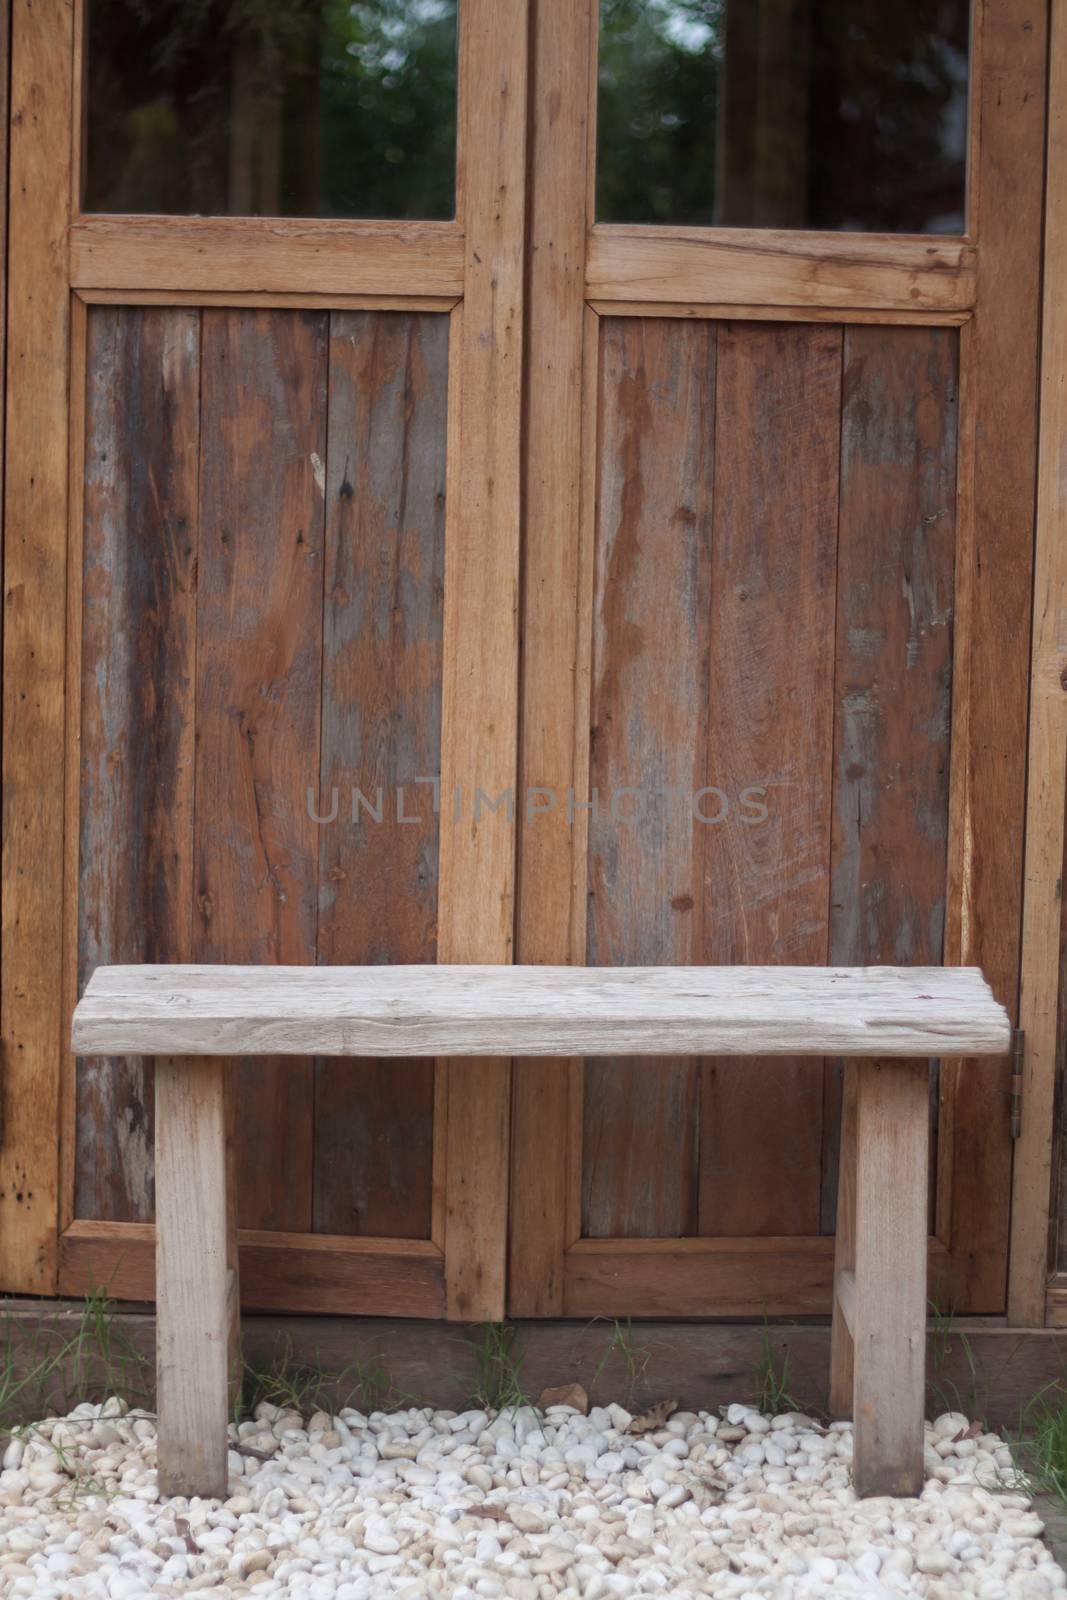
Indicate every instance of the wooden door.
{"type": "Point", "coordinates": [777, 557]}
{"type": "Point", "coordinates": [259, 567]}
{"type": "Point", "coordinates": [264, 473]}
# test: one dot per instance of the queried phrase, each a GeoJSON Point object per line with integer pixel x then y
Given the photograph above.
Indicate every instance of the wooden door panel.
{"type": "Point", "coordinates": [771, 648]}
{"type": "Point", "coordinates": [278, 548]}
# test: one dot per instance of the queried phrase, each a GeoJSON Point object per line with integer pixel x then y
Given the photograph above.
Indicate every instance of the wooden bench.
{"type": "Point", "coordinates": [887, 1021]}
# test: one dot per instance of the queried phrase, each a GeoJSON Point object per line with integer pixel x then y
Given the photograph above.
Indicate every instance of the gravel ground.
{"type": "Point", "coordinates": [425, 1503]}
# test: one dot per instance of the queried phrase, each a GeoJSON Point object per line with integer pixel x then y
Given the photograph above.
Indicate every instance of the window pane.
{"type": "Point", "coordinates": [848, 114]}
{"type": "Point", "coordinates": [296, 108]}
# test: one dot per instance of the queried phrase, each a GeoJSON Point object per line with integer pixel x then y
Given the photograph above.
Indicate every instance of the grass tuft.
{"type": "Point", "coordinates": [773, 1395]}
{"type": "Point", "coordinates": [363, 1384]}
{"type": "Point", "coordinates": [48, 1370]}
{"type": "Point", "coordinates": [634, 1358]}
{"type": "Point", "coordinates": [1039, 1448]}
{"type": "Point", "coordinates": [942, 1392]}
{"type": "Point", "coordinates": [497, 1370]}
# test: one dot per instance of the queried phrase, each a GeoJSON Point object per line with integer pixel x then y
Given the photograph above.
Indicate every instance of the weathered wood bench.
{"type": "Point", "coordinates": [887, 1021]}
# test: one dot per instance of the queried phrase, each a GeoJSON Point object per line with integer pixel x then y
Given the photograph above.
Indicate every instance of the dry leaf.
{"type": "Point", "coordinates": [184, 1531]}
{"type": "Point", "coordinates": [970, 1432]}
{"type": "Point", "coordinates": [566, 1394]}
{"type": "Point", "coordinates": [654, 1417]}
{"type": "Point", "coordinates": [492, 1513]}
{"type": "Point", "coordinates": [247, 1450]}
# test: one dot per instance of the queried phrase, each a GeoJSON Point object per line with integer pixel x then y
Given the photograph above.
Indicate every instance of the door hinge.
{"type": "Point", "coordinates": [1015, 1103]}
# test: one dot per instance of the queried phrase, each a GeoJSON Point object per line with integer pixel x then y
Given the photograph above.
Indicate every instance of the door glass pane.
{"type": "Point", "coordinates": [846, 114]}
{"type": "Point", "coordinates": [297, 108]}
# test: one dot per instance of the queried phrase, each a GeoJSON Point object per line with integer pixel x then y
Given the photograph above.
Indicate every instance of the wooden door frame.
{"type": "Point", "coordinates": [987, 283]}
{"type": "Point", "coordinates": [1031, 1296]}
{"type": "Point", "coordinates": [61, 263]}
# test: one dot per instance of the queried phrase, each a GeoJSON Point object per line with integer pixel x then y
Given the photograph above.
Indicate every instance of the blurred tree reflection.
{"type": "Point", "coordinates": [335, 108]}
{"type": "Point", "coordinates": [779, 113]}
{"type": "Point", "coordinates": [786, 113]}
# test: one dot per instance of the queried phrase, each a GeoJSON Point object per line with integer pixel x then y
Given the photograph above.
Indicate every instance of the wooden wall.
{"type": "Point", "coordinates": [263, 577]}
{"type": "Point", "coordinates": [773, 596]}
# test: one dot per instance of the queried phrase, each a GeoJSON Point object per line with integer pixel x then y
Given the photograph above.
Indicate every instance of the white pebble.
{"type": "Point", "coordinates": [511, 1506]}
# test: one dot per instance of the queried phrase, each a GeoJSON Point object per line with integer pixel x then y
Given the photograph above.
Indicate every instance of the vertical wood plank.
{"type": "Point", "coordinates": [842, 1347]}
{"type": "Point", "coordinates": [68, 1076]}
{"type": "Point", "coordinates": [649, 737]}
{"type": "Point", "coordinates": [259, 626]}
{"type": "Point", "coordinates": [770, 683]}
{"type": "Point", "coordinates": [1040, 1001]}
{"type": "Point", "coordinates": [194, 1286]}
{"type": "Point", "coordinates": [135, 886]}
{"type": "Point", "coordinates": [381, 730]}
{"type": "Point", "coordinates": [549, 927]}
{"type": "Point", "coordinates": [480, 671]}
{"type": "Point", "coordinates": [892, 1153]}
{"type": "Point", "coordinates": [990, 706]}
{"type": "Point", "coordinates": [893, 659]}
{"type": "Point", "coordinates": [35, 527]}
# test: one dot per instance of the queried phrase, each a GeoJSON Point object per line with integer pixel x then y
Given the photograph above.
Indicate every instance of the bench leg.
{"type": "Point", "coordinates": [889, 1318]}
{"type": "Point", "coordinates": [197, 1296]}
{"type": "Point", "coordinates": [841, 1347]}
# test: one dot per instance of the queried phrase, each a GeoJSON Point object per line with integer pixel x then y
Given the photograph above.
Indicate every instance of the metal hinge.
{"type": "Point", "coordinates": [1015, 1103]}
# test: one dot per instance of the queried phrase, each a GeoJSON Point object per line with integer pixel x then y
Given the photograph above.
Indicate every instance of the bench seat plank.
{"type": "Point", "coordinates": [539, 1011]}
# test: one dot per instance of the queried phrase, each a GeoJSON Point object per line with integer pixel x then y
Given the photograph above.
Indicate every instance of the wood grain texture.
{"type": "Point", "coordinates": [297, 300]}
{"type": "Point", "coordinates": [193, 1255]}
{"type": "Point", "coordinates": [299, 1272]}
{"type": "Point", "coordinates": [549, 926]}
{"type": "Point", "coordinates": [401, 1010]}
{"type": "Point", "coordinates": [1041, 998]}
{"type": "Point", "coordinates": [996, 547]}
{"type": "Point", "coordinates": [769, 686]}
{"type": "Point", "coordinates": [763, 1277]}
{"type": "Point", "coordinates": [381, 730]}
{"type": "Point", "coordinates": [480, 663]}
{"type": "Point", "coordinates": [788, 268]}
{"type": "Point", "coordinates": [894, 645]}
{"type": "Point", "coordinates": [266, 255]}
{"type": "Point", "coordinates": [747, 311]}
{"type": "Point", "coordinates": [259, 628]}
{"type": "Point", "coordinates": [72, 712]}
{"type": "Point", "coordinates": [889, 1328]}
{"type": "Point", "coordinates": [135, 876]}
{"type": "Point", "coordinates": [648, 736]}
{"type": "Point", "coordinates": [35, 529]}
{"type": "Point", "coordinates": [842, 1347]}
{"type": "Point", "coordinates": [699, 1277]}
{"type": "Point", "coordinates": [845, 1295]}
{"type": "Point", "coordinates": [893, 659]}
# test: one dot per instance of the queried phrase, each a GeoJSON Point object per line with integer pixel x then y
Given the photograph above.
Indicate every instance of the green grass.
{"type": "Point", "coordinates": [497, 1369]}
{"type": "Point", "coordinates": [773, 1395]}
{"type": "Point", "coordinates": [634, 1359]}
{"type": "Point", "coordinates": [1039, 1448]}
{"type": "Point", "coordinates": [48, 1370]}
{"type": "Point", "coordinates": [942, 1392]}
{"type": "Point", "coordinates": [305, 1387]}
